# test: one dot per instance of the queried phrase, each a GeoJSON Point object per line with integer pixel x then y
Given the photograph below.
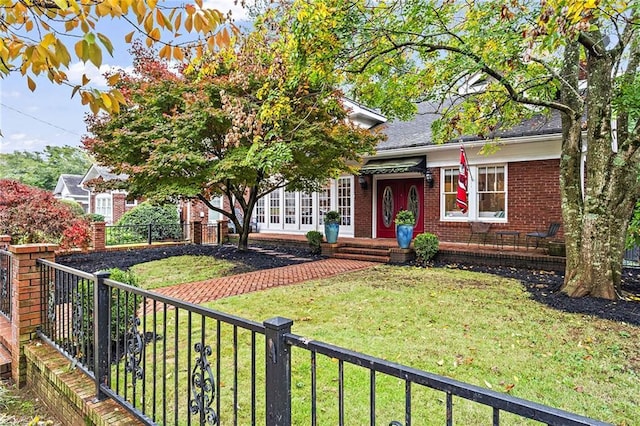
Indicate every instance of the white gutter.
{"type": "Point", "coordinates": [425, 149]}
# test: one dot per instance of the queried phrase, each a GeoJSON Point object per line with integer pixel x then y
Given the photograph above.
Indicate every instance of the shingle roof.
{"type": "Point", "coordinates": [107, 174]}
{"type": "Point", "coordinates": [72, 183]}
{"type": "Point", "coordinates": [417, 132]}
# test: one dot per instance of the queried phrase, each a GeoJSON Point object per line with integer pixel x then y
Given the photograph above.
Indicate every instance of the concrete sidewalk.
{"type": "Point", "coordinates": [205, 291]}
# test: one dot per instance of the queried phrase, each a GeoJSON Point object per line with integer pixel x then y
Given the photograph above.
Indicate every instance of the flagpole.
{"type": "Point", "coordinates": [466, 162]}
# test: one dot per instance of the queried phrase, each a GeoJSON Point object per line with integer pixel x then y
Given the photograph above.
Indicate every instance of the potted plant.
{"type": "Point", "coordinates": [331, 226]}
{"type": "Point", "coordinates": [405, 221]}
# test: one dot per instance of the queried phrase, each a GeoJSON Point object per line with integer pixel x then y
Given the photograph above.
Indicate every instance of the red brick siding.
{"type": "Point", "coordinates": [533, 202]}
{"type": "Point", "coordinates": [118, 204]}
{"type": "Point", "coordinates": [362, 209]}
{"type": "Point", "coordinates": [92, 203]}
{"type": "Point", "coordinates": [197, 207]}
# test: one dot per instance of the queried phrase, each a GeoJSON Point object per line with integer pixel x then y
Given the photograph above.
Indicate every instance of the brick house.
{"type": "Point", "coordinates": [516, 188]}
{"type": "Point", "coordinates": [69, 187]}
{"type": "Point", "coordinates": [111, 204]}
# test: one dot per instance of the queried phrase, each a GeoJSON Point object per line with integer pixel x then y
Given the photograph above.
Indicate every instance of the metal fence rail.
{"type": "Point", "coordinates": [5, 283]}
{"type": "Point", "coordinates": [164, 360]}
{"type": "Point", "coordinates": [149, 233]}
{"type": "Point", "coordinates": [171, 362]}
{"type": "Point", "coordinates": [409, 409]}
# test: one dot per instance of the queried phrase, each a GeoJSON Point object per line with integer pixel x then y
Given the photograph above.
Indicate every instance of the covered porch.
{"type": "Point", "coordinates": [385, 250]}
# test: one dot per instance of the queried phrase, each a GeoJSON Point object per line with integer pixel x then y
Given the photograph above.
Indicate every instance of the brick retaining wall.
{"type": "Point", "coordinates": [69, 393]}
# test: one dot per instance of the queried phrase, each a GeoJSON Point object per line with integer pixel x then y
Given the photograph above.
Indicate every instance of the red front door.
{"type": "Point", "coordinates": [395, 195]}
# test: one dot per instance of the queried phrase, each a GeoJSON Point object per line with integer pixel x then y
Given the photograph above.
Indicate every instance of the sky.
{"type": "Point", "coordinates": [29, 121]}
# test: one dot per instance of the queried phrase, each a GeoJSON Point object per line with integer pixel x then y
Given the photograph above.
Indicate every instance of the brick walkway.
{"type": "Point", "coordinates": [205, 291]}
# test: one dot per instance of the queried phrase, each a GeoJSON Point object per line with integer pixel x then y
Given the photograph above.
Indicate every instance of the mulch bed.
{"type": "Point", "coordinates": [543, 285]}
{"type": "Point", "coordinates": [256, 258]}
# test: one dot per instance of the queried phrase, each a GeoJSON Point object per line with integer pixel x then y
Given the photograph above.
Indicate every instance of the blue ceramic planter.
{"type": "Point", "coordinates": [331, 232]}
{"type": "Point", "coordinates": [404, 234]}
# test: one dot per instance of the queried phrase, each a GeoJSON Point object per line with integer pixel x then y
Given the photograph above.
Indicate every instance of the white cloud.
{"type": "Point", "coordinates": [21, 142]}
{"type": "Point", "coordinates": [11, 94]}
{"type": "Point", "coordinates": [237, 12]}
{"type": "Point", "coordinates": [77, 69]}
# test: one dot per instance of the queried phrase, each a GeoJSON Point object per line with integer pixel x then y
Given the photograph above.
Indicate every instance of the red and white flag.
{"type": "Point", "coordinates": [463, 175]}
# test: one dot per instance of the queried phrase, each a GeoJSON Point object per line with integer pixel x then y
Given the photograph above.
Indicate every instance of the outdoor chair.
{"type": "Point", "coordinates": [481, 229]}
{"type": "Point", "coordinates": [541, 236]}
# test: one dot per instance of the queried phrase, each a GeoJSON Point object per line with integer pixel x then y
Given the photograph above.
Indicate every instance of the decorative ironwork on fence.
{"type": "Point", "coordinates": [171, 362]}
{"type": "Point", "coordinates": [5, 283]}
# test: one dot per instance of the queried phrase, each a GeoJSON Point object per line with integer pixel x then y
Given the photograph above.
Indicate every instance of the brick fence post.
{"type": "Point", "coordinates": [196, 232]}
{"type": "Point", "coordinates": [99, 236]}
{"type": "Point", "coordinates": [223, 230]}
{"type": "Point", "coordinates": [26, 301]}
{"type": "Point", "coordinates": [5, 240]}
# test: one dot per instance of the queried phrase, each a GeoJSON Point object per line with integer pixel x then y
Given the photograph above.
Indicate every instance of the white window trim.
{"type": "Point", "coordinates": [472, 214]}
{"type": "Point", "coordinates": [108, 197]}
{"type": "Point", "coordinates": [298, 227]}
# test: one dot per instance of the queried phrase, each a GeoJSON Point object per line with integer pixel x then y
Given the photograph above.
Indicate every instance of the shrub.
{"type": "Point", "coordinates": [314, 238]}
{"type": "Point", "coordinates": [123, 305]}
{"type": "Point", "coordinates": [633, 231]}
{"type": "Point", "coordinates": [94, 217]}
{"type": "Point", "coordinates": [32, 215]}
{"type": "Point", "coordinates": [426, 246]}
{"type": "Point", "coordinates": [405, 217]}
{"type": "Point", "coordinates": [163, 218]}
{"type": "Point", "coordinates": [332, 216]}
{"type": "Point", "coordinates": [75, 206]}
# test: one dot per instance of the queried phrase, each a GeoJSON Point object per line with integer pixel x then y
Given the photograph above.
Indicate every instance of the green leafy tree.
{"type": "Point", "coordinates": [42, 169]}
{"type": "Point", "coordinates": [240, 124]}
{"type": "Point", "coordinates": [164, 221]}
{"type": "Point", "coordinates": [532, 57]}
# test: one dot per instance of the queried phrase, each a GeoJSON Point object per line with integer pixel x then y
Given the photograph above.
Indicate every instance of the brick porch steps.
{"type": "Point", "coordinates": [5, 363]}
{"type": "Point", "coordinates": [360, 249]}
{"type": "Point", "coordinates": [361, 256]}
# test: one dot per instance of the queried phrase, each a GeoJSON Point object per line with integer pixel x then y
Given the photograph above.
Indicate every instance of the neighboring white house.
{"type": "Point", "coordinates": [110, 204]}
{"type": "Point", "coordinates": [69, 188]}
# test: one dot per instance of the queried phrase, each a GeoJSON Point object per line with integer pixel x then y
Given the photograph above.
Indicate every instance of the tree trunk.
{"type": "Point", "coordinates": [595, 222]}
{"type": "Point", "coordinates": [595, 269]}
{"type": "Point", "coordinates": [243, 238]}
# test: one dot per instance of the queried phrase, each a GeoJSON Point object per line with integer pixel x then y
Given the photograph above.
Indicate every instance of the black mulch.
{"type": "Point", "coordinates": [542, 285]}
{"type": "Point", "coordinates": [263, 257]}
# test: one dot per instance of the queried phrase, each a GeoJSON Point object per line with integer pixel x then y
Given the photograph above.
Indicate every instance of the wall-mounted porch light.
{"type": "Point", "coordinates": [362, 180]}
{"type": "Point", "coordinates": [429, 178]}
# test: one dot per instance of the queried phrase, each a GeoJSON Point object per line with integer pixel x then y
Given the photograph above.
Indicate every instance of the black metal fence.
{"type": "Point", "coordinates": [150, 233]}
{"type": "Point", "coordinates": [631, 257]}
{"type": "Point", "coordinates": [171, 362]}
{"type": "Point", "coordinates": [5, 283]}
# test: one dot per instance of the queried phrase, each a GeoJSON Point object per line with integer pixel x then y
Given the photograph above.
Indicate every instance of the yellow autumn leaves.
{"type": "Point", "coordinates": [36, 35]}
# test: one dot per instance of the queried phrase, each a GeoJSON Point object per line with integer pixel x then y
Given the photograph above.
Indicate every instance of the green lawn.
{"type": "Point", "coordinates": [477, 328]}
{"type": "Point", "coordinates": [182, 269]}
{"type": "Point", "coordinates": [473, 327]}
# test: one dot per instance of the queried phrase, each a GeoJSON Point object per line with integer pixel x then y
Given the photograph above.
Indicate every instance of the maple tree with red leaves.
{"type": "Point", "coordinates": [238, 124]}
{"type": "Point", "coordinates": [33, 215]}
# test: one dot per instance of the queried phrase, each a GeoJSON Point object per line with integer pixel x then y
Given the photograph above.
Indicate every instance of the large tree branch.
{"type": "Point", "coordinates": [514, 94]}
{"type": "Point", "coordinates": [594, 46]}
